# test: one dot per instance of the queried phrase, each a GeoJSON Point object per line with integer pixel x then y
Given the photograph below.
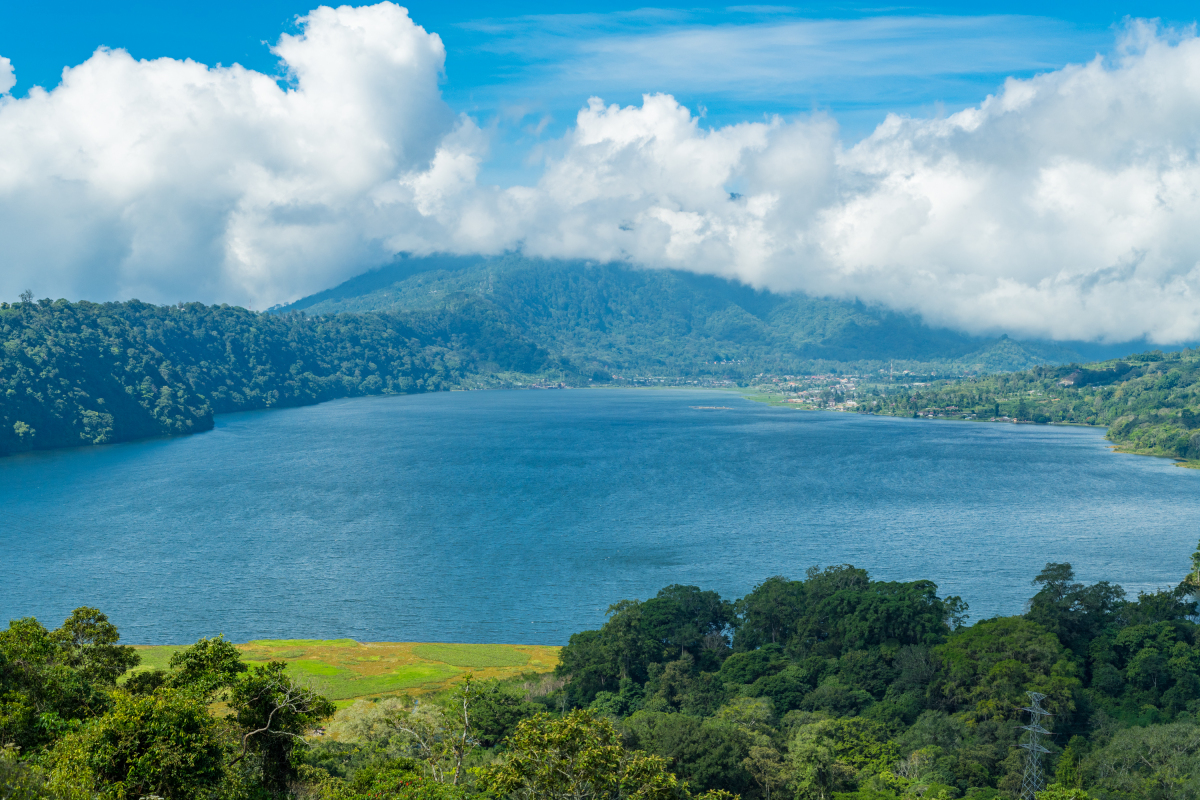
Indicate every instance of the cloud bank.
{"type": "Point", "coordinates": [1065, 206]}
{"type": "Point", "coordinates": [170, 180]}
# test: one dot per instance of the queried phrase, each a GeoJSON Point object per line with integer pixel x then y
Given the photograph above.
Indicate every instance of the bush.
{"type": "Point", "coordinates": [165, 744]}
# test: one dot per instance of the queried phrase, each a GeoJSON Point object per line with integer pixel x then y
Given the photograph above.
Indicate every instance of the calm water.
{"type": "Point", "coordinates": [519, 516]}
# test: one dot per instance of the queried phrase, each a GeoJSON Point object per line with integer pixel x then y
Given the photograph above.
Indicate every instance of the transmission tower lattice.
{"type": "Point", "coordinates": [1034, 780]}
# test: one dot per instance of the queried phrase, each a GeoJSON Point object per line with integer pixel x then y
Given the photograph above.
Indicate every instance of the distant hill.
{"type": "Point", "coordinates": [615, 317]}
{"type": "Point", "coordinates": [85, 373]}
{"type": "Point", "coordinates": [1150, 402]}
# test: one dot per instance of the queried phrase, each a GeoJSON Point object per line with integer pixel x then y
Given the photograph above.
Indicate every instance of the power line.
{"type": "Point", "coordinates": [1034, 779]}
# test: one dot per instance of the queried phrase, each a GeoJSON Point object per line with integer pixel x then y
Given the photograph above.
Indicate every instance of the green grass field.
{"type": "Point", "coordinates": [345, 670]}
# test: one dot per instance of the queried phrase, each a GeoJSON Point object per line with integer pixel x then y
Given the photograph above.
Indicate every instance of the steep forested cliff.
{"type": "Point", "coordinates": [87, 373]}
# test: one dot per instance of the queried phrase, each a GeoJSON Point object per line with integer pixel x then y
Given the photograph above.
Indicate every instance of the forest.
{"type": "Point", "coordinates": [833, 686]}
{"type": "Point", "coordinates": [85, 373]}
{"type": "Point", "coordinates": [618, 318]}
{"type": "Point", "coordinates": [91, 373]}
{"type": "Point", "coordinates": [1150, 402]}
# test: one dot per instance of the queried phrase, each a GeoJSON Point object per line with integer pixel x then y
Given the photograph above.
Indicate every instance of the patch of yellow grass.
{"type": "Point", "coordinates": [345, 670]}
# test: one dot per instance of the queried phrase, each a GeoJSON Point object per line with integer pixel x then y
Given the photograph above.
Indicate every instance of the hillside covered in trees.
{"type": "Point", "coordinates": [831, 687]}
{"type": "Point", "coordinates": [839, 686]}
{"type": "Point", "coordinates": [87, 373]}
{"type": "Point", "coordinates": [1150, 402]}
{"type": "Point", "coordinates": [664, 322]}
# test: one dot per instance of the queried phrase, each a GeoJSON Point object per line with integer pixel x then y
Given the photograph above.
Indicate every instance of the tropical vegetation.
{"type": "Point", "coordinates": [618, 318]}
{"type": "Point", "coordinates": [91, 373]}
{"type": "Point", "coordinates": [1150, 402]}
{"type": "Point", "coordinates": [85, 373]}
{"type": "Point", "coordinates": [834, 686]}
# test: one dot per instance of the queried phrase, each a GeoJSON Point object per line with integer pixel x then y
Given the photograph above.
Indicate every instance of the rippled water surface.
{"type": "Point", "coordinates": [520, 516]}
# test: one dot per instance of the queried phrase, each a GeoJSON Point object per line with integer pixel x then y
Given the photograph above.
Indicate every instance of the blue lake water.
{"type": "Point", "coordinates": [520, 516]}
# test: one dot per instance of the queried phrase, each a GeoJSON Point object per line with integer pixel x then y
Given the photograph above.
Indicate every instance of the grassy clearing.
{"type": "Point", "coordinates": [345, 670]}
{"type": "Point", "coordinates": [473, 656]}
{"type": "Point", "coordinates": [154, 657]}
{"type": "Point", "coordinates": [771, 398]}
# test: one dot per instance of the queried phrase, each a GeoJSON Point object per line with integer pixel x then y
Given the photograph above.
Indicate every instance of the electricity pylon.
{"type": "Point", "coordinates": [1034, 779]}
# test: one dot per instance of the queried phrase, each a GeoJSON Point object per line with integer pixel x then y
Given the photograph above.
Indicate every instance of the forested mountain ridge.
{"type": "Point", "coordinates": [1150, 402]}
{"type": "Point", "coordinates": [86, 373]}
{"type": "Point", "coordinates": [617, 317]}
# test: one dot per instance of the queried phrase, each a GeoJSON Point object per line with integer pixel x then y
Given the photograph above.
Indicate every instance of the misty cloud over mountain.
{"type": "Point", "coordinates": [1065, 206]}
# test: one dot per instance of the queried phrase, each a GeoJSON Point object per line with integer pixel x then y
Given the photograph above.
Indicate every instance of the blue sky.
{"type": "Point", "coordinates": [523, 69]}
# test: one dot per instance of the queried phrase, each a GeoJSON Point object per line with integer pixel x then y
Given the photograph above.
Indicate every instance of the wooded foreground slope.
{"type": "Point", "coordinates": [88, 373]}
{"type": "Point", "coordinates": [834, 686]}
{"type": "Point", "coordinates": [841, 687]}
{"type": "Point", "coordinates": [1150, 402]}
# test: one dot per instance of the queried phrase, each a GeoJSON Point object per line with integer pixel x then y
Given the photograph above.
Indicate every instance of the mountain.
{"type": "Point", "coordinates": [613, 317]}
{"type": "Point", "coordinates": [87, 373]}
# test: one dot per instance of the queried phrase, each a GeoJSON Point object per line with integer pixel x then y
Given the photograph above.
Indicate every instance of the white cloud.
{"type": "Point", "coordinates": [170, 180]}
{"type": "Point", "coordinates": [7, 78]}
{"type": "Point", "coordinates": [734, 63]}
{"type": "Point", "coordinates": [1067, 205]}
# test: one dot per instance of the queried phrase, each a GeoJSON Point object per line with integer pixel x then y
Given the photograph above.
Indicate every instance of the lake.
{"type": "Point", "coordinates": [520, 516]}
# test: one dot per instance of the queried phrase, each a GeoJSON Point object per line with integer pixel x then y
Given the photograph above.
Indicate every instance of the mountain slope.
{"type": "Point", "coordinates": [87, 373]}
{"type": "Point", "coordinates": [610, 316]}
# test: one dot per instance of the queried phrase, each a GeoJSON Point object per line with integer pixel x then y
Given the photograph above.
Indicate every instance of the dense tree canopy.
{"type": "Point", "coordinates": [618, 317]}
{"type": "Point", "coordinates": [833, 687]}
{"type": "Point", "coordinates": [873, 690]}
{"type": "Point", "coordinates": [1150, 402]}
{"type": "Point", "coordinates": [88, 373]}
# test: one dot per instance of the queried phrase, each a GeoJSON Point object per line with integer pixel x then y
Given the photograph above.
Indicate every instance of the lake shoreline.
{"type": "Point", "coordinates": [741, 392]}
{"type": "Point", "coordinates": [1115, 447]}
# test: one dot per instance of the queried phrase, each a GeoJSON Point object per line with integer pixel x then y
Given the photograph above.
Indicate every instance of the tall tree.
{"type": "Point", "coordinates": [274, 713]}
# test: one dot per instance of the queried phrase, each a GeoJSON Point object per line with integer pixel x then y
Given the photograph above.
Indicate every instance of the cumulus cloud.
{"type": "Point", "coordinates": [171, 180]}
{"type": "Point", "coordinates": [1065, 205]}
{"type": "Point", "coordinates": [7, 78]}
